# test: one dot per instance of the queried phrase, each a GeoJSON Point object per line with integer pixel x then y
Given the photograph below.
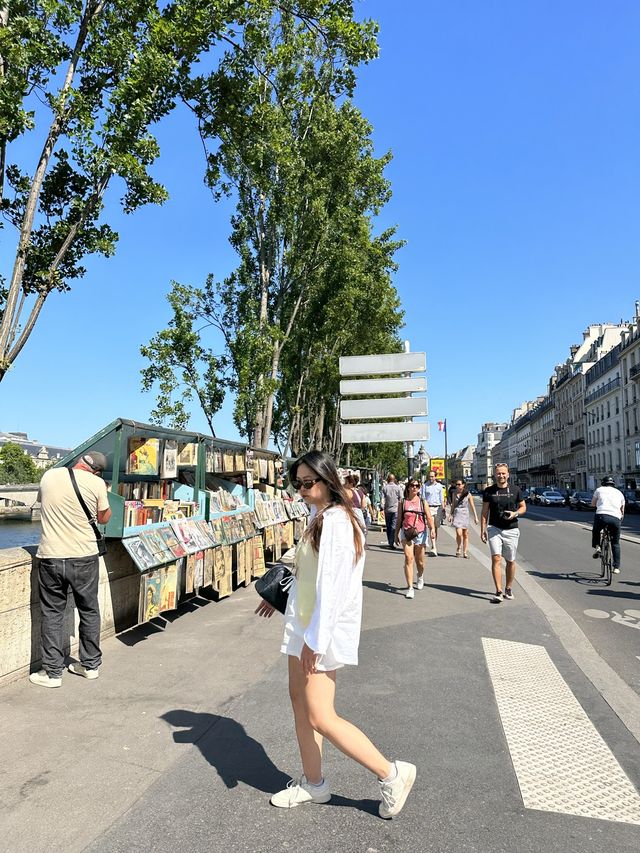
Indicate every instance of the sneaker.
{"type": "Point", "coordinates": [434, 551]}
{"type": "Point", "coordinates": [497, 598]}
{"type": "Point", "coordinates": [616, 570]}
{"type": "Point", "coordinates": [395, 793]}
{"type": "Point", "coordinates": [43, 679]}
{"type": "Point", "coordinates": [78, 669]}
{"type": "Point", "coordinates": [410, 593]}
{"type": "Point", "coordinates": [296, 793]}
{"type": "Point", "coordinates": [597, 553]}
{"type": "Point", "coordinates": [420, 583]}
{"type": "Point", "coordinates": [508, 593]}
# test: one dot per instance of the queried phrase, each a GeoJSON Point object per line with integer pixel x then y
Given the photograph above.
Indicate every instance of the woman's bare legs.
{"type": "Point", "coordinates": [465, 541]}
{"type": "Point", "coordinates": [316, 718]}
{"type": "Point", "coordinates": [408, 562]}
{"type": "Point", "coordinates": [309, 741]}
{"type": "Point", "coordinates": [458, 541]}
{"type": "Point", "coordinates": [418, 553]}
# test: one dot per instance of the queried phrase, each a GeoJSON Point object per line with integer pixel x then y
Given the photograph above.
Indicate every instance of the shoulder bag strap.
{"type": "Point", "coordinates": [90, 518]}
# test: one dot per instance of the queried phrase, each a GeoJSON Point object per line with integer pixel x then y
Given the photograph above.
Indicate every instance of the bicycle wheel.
{"type": "Point", "coordinates": [605, 559]}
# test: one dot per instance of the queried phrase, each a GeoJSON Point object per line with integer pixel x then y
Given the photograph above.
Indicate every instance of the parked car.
{"type": "Point", "coordinates": [580, 501]}
{"type": "Point", "coordinates": [631, 500]}
{"type": "Point", "coordinates": [552, 499]}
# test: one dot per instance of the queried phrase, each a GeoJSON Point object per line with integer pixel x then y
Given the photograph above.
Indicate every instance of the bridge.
{"type": "Point", "coordinates": [17, 501]}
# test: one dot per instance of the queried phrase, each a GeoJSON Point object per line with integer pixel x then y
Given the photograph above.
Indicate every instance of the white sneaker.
{"type": "Point", "coordinates": [395, 793]}
{"type": "Point", "coordinates": [420, 583]}
{"type": "Point", "coordinates": [410, 593]}
{"type": "Point", "coordinates": [42, 679]}
{"type": "Point", "coordinates": [296, 793]}
{"type": "Point", "coordinates": [78, 669]}
{"type": "Point", "coordinates": [434, 551]}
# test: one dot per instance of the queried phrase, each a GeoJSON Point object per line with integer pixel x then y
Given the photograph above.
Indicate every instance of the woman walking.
{"type": "Point", "coordinates": [321, 635]}
{"type": "Point", "coordinates": [355, 496]}
{"type": "Point", "coordinates": [461, 505]}
{"type": "Point", "coordinates": [414, 517]}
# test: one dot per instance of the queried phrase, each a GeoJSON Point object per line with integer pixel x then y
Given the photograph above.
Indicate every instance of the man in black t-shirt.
{"type": "Point", "coordinates": [501, 506]}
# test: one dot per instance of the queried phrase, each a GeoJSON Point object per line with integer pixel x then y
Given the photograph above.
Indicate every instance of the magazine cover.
{"type": "Point", "coordinates": [150, 596]}
{"type": "Point", "coordinates": [143, 455]}
{"type": "Point", "coordinates": [172, 542]}
{"type": "Point", "coordinates": [218, 567]}
{"type": "Point", "coordinates": [190, 573]}
{"type": "Point", "coordinates": [156, 544]}
{"type": "Point", "coordinates": [198, 576]}
{"type": "Point", "coordinates": [181, 527]}
{"type": "Point", "coordinates": [208, 568]}
{"type": "Point", "coordinates": [218, 529]}
{"type": "Point", "coordinates": [169, 587]}
{"type": "Point", "coordinates": [140, 554]}
{"type": "Point", "coordinates": [169, 465]}
{"type": "Point", "coordinates": [187, 454]}
{"type": "Point", "coordinates": [225, 586]}
{"type": "Point", "coordinates": [268, 537]}
{"type": "Point", "coordinates": [241, 564]}
{"type": "Point", "coordinates": [210, 460]}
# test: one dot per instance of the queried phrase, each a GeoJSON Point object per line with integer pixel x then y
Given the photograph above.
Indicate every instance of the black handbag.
{"type": "Point", "coordinates": [274, 586]}
{"type": "Point", "coordinates": [101, 542]}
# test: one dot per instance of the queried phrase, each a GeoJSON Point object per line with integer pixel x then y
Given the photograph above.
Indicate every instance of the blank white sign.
{"type": "Point", "coordinates": [396, 407]}
{"type": "Point", "coordinates": [396, 362]}
{"type": "Point", "coordinates": [404, 385]}
{"type": "Point", "coordinates": [366, 433]}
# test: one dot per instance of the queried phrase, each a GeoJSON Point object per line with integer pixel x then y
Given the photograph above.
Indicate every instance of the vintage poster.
{"type": "Point", "coordinates": [187, 454]}
{"type": "Point", "coordinates": [141, 555]}
{"type": "Point", "coordinates": [248, 557]}
{"type": "Point", "coordinates": [169, 465]}
{"type": "Point", "coordinates": [258, 556]}
{"type": "Point", "coordinates": [241, 564]}
{"type": "Point", "coordinates": [150, 596]}
{"type": "Point", "coordinates": [169, 587]}
{"type": "Point", "coordinates": [143, 455]}
{"type": "Point", "coordinates": [172, 542]}
{"type": "Point", "coordinates": [198, 576]}
{"type": "Point", "coordinates": [208, 568]}
{"type": "Point", "coordinates": [218, 567]}
{"type": "Point", "coordinates": [190, 572]}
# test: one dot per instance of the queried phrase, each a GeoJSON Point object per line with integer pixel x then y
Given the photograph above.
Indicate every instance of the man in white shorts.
{"type": "Point", "coordinates": [501, 506]}
{"type": "Point", "coordinates": [433, 493]}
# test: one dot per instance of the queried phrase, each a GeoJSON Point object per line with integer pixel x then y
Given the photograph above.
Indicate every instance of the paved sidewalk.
{"type": "Point", "coordinates": [180, 742]}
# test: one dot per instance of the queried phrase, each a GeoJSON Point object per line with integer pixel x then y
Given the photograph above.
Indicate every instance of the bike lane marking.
{"type": "Point", "coordinates": [562, 763]}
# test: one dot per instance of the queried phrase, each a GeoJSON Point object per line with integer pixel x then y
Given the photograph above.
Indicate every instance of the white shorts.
{"type": "Point", "coordinates": [437, 513]}
{"type": "Point", "coordinates": [503, 542]}
{"type": "Point", "coordinates": [420, 539]}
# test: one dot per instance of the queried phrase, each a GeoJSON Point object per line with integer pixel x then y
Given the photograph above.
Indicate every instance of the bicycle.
{"type": "Point", "coordinates": [606, 556]}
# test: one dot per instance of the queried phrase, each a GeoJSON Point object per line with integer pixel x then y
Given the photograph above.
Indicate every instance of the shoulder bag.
{"type": "Point", "coordinates": [274, 586]}
{"type": "Point", "coordinates": [100, 540]}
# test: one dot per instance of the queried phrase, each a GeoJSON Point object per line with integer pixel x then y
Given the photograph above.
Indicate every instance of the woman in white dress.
{"type": "Point", "coordinates": [321, 635]}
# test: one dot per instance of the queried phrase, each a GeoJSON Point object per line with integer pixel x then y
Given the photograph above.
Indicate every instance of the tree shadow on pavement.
{"type": "Point", "coordinates": [227, 747]}
{"type": "Point", "coordinates": [611, 592]}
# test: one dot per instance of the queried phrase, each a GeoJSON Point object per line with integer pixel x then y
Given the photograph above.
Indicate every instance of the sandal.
{"type": "Point", "coordinates": [466, 556]}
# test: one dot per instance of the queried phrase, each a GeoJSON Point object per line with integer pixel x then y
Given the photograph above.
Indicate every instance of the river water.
{"type": "Point", "coordinates": [17, 534]}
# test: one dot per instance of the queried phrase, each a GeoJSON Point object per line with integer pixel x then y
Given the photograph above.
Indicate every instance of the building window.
{"type": "Point", "coordinates": [619, 465]}
{"type": "Point", "coordinates": [637, 454]}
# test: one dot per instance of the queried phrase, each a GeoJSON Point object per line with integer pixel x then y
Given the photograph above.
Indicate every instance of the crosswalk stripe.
{"type": "Point", "coordinates": [561, 762]}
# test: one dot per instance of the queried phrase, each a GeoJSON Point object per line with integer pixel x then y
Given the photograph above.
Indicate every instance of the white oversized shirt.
{"type": "Point", "coordinates": [609, 501]}
{"type": "Point", "coordinates": [334, 626]}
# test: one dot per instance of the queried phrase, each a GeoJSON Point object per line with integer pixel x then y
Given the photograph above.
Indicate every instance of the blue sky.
{"type": "Point", "coordinates": [515, 130]}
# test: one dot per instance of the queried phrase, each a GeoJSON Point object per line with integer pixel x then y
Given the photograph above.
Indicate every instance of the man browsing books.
{"type": "Point", "coordinates": [68, 554]}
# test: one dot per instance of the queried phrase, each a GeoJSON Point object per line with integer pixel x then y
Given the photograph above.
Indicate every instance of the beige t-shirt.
{"type": "Point", "coordinates": [66, 531]}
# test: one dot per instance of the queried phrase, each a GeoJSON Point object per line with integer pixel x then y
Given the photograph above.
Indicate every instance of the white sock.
{"type": "Point", "coordinates": [316, 785]}
{"type": "Point", "coordinates": [393, 774]}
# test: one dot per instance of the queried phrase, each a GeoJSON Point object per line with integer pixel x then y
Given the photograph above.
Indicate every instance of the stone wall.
{"type": "Point", "coordinates": [20, 608]}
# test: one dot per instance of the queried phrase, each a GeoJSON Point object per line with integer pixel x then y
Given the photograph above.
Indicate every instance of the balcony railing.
{"type": "Point", "coordinates": [611, 385]}
{"type": "Point", "coordinates": [634, 372]}
{"type": "Point", "coordinates": [577, 442]}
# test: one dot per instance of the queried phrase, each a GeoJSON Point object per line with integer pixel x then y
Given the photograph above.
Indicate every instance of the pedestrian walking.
{"type": "Point", "coordinates": [433, 493]}
{"type": "Point", "coordinates": [391, 497]}
{"type": "Point", "coordinates": [68, 553]}
{"type": "Point", "coordinates": [411, 532]}
{"type": "Point", "coordinates": [355, 496]}
{"type": "Point", "coordinates": [321, 635]}
{"type": "Point", "coordinates": [461, 508]}
{"type": "Point", "coordinates": [502, 504]}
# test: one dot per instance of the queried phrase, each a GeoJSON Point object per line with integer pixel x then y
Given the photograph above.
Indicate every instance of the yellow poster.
{"type": "Point", "coordinates": [437, 465]}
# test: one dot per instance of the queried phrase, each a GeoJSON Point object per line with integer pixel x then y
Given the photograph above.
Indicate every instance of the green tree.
{"type": "Point", "coordinates": [16, 466]}
{"type": "Point", "coordinates": [83, 82]}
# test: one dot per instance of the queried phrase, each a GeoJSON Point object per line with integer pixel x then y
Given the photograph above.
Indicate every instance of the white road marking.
{"type": "Point", "coordinates": [629, 618]}
{"type": "Point", "coordinates": [561, 762]}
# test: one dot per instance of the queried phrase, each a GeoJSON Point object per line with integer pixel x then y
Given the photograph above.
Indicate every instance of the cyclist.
{"type": "Point", "coordinates": [609, 504]}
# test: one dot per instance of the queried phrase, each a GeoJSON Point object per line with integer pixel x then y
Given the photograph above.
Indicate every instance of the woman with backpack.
{"type": "Point", "coordinates": [414, 517]}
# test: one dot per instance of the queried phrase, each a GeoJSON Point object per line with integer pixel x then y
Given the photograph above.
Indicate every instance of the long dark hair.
{"type": "Point", "coordinates": [324, 467]}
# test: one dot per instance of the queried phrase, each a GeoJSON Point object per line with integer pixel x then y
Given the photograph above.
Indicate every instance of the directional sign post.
{"type": "Point", "coordinates": [367, 418]}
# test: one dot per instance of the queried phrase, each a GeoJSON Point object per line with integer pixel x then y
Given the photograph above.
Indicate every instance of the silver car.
{"type": "Point", "coordinates": [552, 499]}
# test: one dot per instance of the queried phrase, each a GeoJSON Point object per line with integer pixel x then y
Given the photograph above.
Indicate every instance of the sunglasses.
{"type": "Point", "coordinates": [414, 485]}
{"type": "Point", "coordinates": [305, 484]}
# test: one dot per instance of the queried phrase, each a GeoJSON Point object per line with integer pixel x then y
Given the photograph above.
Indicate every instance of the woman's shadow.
{"type": "Point", "coordinates": [227, 747]}
{"type": "Point", "coordinates": [236, 756]}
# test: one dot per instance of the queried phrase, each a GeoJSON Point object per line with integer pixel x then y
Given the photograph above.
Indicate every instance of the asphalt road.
{"type": "Point", "coordinates": [556, 542]}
